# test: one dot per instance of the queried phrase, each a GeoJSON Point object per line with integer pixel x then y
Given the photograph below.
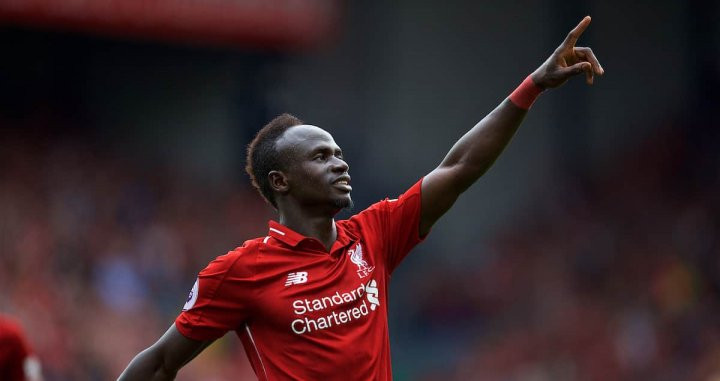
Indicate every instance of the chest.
{"type": "Point", "coordinates": [319, 293]}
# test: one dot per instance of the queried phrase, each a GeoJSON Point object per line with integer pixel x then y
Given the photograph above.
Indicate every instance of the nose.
{"type": "Point", "coordinates": [339, 165]}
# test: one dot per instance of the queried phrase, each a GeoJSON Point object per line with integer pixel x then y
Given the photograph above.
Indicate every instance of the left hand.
{"type": "Point", "coordinates": [568, 60]}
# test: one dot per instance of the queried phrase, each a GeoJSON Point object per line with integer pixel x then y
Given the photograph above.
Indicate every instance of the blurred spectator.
{"type": "Point", "coordinates": [97, 254]}
{"type": "Point", "coordinates": [17, 361]}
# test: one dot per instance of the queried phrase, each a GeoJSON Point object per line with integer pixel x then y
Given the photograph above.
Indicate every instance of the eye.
{"type": "Point", "coordinates": [319, 156]}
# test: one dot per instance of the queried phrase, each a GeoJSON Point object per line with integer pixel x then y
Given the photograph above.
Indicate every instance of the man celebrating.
{"type": "Point", "coordinates": [309, 300]}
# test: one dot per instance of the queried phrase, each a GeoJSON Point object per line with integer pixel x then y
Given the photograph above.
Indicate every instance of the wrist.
{"type": "Point", "coordinates": [537, 80]}
{"type": "Point", "coordinates": [525, 94]}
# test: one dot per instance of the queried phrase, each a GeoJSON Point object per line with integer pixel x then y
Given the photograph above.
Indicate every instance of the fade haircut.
{"type": "Point", "coordinates": [263, 157]}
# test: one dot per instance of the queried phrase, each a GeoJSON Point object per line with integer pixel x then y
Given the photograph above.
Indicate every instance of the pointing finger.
{"type": "Point", "coordinates": [574, 34]}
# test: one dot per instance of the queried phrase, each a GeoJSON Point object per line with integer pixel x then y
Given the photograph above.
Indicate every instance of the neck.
{"type": "Point", "coordinates": [321, 228]}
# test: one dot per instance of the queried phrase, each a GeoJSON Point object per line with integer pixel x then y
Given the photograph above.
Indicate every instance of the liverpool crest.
{"type": "Point", "coordinates": [356, 257]}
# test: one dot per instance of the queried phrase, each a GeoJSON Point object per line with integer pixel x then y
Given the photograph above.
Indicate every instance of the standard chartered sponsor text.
{"type": "Point", "coordinates": [337, 316]}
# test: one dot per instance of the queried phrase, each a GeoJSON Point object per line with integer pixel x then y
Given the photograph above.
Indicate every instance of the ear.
{"type": "Point", "coordinates": [278, 182]}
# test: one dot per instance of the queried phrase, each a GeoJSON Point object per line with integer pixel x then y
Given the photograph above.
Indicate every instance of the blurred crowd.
{"type": "Point", "coordinates": [614, 276]}
{"type": "Point", "coordinates": [611, 276]}
{"type": "Point", "coordinates": [98, 253]}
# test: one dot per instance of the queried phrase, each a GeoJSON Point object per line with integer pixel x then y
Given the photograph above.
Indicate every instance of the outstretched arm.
{"type": "Point", "coordinates": [477, 150]}
{"type": "Point", "coordinates": [164, 358]}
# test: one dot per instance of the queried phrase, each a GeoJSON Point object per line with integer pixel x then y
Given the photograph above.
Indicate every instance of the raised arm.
{"type": "Point", "coordinates": [476, 151]}
{"type": "Point", "coordinates": [164, 358]}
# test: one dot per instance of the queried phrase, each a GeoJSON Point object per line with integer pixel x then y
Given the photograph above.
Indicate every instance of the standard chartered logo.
{"type": "Point", "coordinates": [337, 314]}
{"type": "Point", "coordinates": [372, 294]}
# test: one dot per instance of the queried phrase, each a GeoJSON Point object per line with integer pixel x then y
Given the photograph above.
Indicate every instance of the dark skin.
{"type": "Point", "coordinates": [315, 187]}
{"type": "Point", "coordinates": [311, 191]}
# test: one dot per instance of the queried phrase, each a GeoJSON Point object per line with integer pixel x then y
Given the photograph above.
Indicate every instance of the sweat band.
{"type": "Point", "coordinates": [525, 94]}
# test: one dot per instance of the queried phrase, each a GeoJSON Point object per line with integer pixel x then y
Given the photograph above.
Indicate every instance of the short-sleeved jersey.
{"type": "Point", "coordinates": [301, 312]}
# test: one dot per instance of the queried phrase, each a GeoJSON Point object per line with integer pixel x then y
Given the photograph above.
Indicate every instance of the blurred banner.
{"type": "Point", "coordinates": [278, 24]}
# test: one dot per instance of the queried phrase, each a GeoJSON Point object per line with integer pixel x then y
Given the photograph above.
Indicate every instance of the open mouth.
{"type": "Point", "coordinates": [343, 183]}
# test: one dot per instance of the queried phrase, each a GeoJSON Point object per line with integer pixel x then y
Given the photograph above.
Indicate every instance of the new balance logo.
{"type": "Point", "coordinates": [296, 278]}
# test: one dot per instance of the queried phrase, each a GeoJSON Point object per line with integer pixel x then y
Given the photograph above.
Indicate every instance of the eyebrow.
{"type": "Point", "coordinates": [325, 148]}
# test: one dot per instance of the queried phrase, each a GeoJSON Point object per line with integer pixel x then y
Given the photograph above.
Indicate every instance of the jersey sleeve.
{"type": "Point", "coordinates": [220, 298]}
{"type": "Point", "coordinates": [397, 221]}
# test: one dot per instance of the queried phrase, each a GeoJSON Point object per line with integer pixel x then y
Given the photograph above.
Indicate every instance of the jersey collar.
{"type": "Point", "coordinates": [284, 234]}
{"type": "Point", "coordinates": [292, 238]}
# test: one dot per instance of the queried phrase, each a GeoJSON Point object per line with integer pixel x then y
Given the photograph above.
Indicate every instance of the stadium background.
{"type": "Point", "coordinates": [590, 251]}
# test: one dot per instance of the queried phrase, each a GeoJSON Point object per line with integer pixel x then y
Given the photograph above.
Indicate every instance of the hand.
{"type": "Point", "coordinates": [568, 60]}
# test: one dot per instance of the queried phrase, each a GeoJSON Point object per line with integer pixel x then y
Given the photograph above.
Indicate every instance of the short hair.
{"type": "Point", "coordinates": [263, 157]}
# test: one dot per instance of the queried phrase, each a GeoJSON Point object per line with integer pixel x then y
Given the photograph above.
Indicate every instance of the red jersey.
{"type": "Point", "coordinates": [303, 313]}
{"type": "Point", "coordinates": [13, 351]}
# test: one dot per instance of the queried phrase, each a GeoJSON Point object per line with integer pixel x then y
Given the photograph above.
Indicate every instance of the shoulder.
{"type": "Point", "coordinates": [239, 261]}
{"type": "Point", "coordinates": [387, 206]}
{"type": "Point", "coordinates": [384, 206]}
{"type": "Point", "coordinates": [370, 219]}
{"type": "Point", "coordinates": [410, 195]}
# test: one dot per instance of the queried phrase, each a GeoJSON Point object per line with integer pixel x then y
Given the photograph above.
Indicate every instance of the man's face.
{"type": "Point", "coordinates": [317, 174]}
